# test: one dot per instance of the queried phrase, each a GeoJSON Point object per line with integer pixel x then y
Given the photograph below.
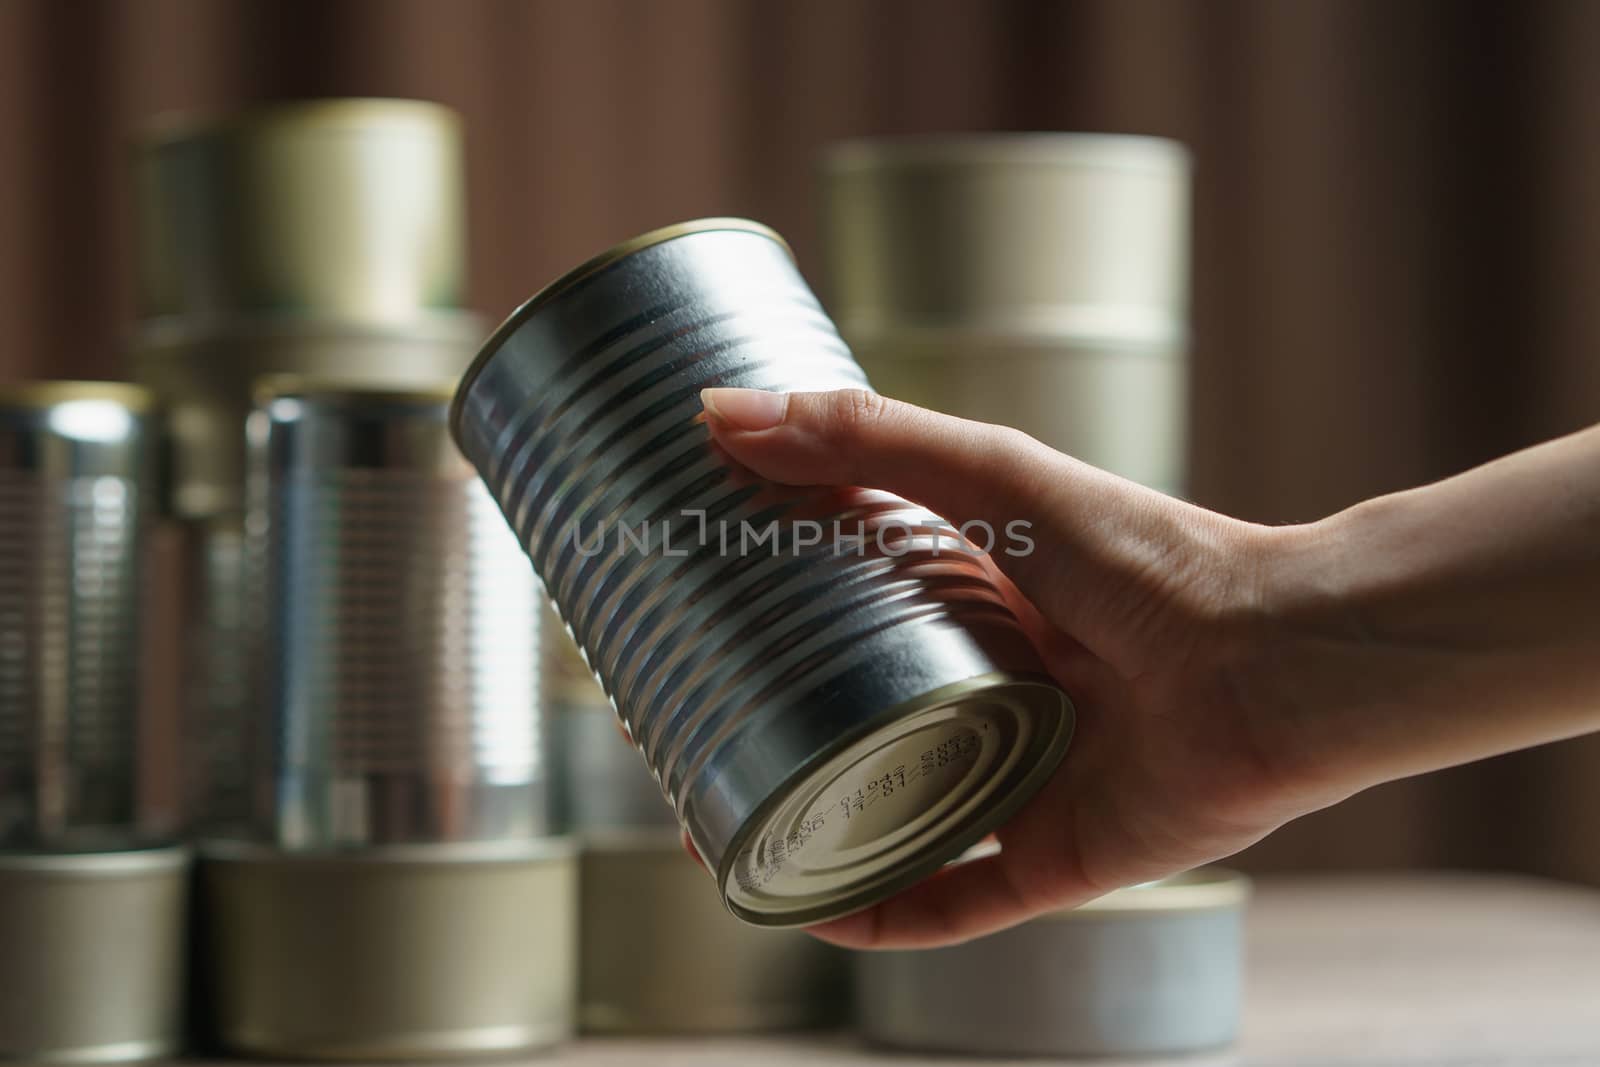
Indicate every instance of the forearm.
{"type": "Point", "coordinates": [1439, 625]}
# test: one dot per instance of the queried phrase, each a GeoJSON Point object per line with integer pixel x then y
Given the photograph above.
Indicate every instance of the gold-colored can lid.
{"type": "Point", "coordinates": [349, 208]}
{"type": "Point", "coordinates": [1047, 237]}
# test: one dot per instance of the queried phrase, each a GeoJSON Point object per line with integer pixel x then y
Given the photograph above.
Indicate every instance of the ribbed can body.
{"type": "Point", "coordinates": [832, 718]}
{"type": "Point", "coordinates": [78, 466]}
{"type": "Point", "coordinates": [399, 656]}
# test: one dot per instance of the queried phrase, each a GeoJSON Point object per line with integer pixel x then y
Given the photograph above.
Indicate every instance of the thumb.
{"type": "Point", "coordinates": [1105, 534]}
{"type": "Point", "coordinates": [963, 471]}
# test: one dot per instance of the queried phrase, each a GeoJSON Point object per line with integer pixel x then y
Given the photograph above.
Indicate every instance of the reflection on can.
{"type": "Point", "coordinates": [78, 466]}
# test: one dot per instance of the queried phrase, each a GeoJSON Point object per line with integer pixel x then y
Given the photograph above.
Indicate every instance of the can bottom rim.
{"type": "Point", "coordinates": [887, 809]}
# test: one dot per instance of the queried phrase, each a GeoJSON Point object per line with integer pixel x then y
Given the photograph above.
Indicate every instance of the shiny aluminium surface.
{"type": "Point", "coordinates": [205, 375]}
{"type": "Point", "coordinates": [1149, 970]}
{"type": "Point", "coordinates": [92, 966]}
{"type": "Point", "coordinates": [411, 952]}
{"type": "Point", "coordinates": [836, 699]}
{"type": "Point", "coordinates": [658, 955]}
{"type": "Point", "coordinates": [347, 208]}
{"type": "Point", "coordinates": [400, 642]}
{"type": "Point", "coordinates": [79, 464]}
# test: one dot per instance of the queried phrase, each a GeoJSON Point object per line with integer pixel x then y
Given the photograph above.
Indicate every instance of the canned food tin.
{"type": "Point", "coordinates": [836, 706]}
{"type": "Point", "coordinates": [401, 644]}
{"type": "Point", "coordinates": [1143, 971]}
{"type": "Point", "coordinates": [347, 208]}
{"type": "Point", "coordinates": [78, 467]}
{"type": "Point", "coordinates": [205, 374]}
{"type": "Point", "coordinates": [658, 955]}
{"type": "Point", "coordinates": [1038, 281]}
{"type": "Point", "coordinates": [597, 781]}
{"type": "Point", "coordinates": [408, 952]}
{"type": "Point", "coordinates": [92, 969]}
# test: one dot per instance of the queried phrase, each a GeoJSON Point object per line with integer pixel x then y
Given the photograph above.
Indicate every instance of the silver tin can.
{"type": "Point", "coordinates": [78, 470]}
{"type": "Point", "coordinates": [833, 719]}
{"type": "Point", "coordinates": [400, 656]}
{"type": "Point", "coordinates": [1144, 971]}
{"type": "Point", "coordinates": [658, 955]}
{"type": "Point", "coordinates": [597, 781]}
{"type": "Point", "coordinates": [407, 952]}
{"type": "Point", "coordinates": [353, 209]}
{"type": "Point", "coordinates": [1038, 281]}
{"type": "Point", "coordinates": [92, 969]}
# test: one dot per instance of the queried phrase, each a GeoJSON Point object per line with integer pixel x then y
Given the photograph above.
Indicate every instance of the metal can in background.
{"type": "Point", "coordinates": [348, 209]}
{"type": "Point", "coordinates": [657, 955]}
{"type": "Point", "coordinates": [94, 951]}
{"type": "Point", "coordinates": [834, 717]}
{"type": "Point", "coordinates": [1149, 970]}
{"type": "Point", "coordinates": [1038, 281]}
{"type": "Point", "coordinates": [218, 676]}
{"type": "Point", "coordinates": [393, 953]}
{"type": "Point", "coordinates": [400, 650]}
{"type": "Point", "coordinates": [79, 464]}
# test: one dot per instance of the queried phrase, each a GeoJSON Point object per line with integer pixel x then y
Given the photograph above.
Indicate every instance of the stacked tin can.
{"type": "Point", "coordinates": [1039, 281]}
{"type": "Point", "coordinates": [92, 889]}
{"type": "Point", "coordinates": [363, 716]}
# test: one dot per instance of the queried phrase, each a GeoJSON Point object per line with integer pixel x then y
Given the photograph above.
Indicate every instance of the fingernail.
{"type": "Point", "coordinates": [745, 409]}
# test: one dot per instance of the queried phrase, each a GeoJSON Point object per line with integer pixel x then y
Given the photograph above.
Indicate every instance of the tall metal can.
{"type": "Point", "coordinates": [79, 464]}
{"type": "Point", "coordinates": [836, 698]}
{"type": "Point", "coordinates": [401, 628]}
{"type": "Point", "coordinates": [348, 209]}
{"type": "Point", "coordinates": [1034, 280]}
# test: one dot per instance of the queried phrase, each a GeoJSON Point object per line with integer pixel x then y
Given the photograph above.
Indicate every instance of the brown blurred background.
{"type": "Point", "coordinates": [1397, 218]}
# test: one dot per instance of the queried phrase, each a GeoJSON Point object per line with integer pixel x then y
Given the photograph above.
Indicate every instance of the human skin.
{"type": "Point", "coordinates": [1228, 676]}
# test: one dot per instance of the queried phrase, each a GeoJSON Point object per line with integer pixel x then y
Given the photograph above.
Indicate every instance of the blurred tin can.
{"type": "Point", "coordinates": [400, 655]}
{"type": "Point", "coordinates": [658, 955]}
{"type": "Point", "coordinates": [94, 950]}
{"type": "Point", "coordinates": [597, 781]}
{"type": "Point", "coordinates": [218, 676]}
{"type": "Point", "coordinates": [1039, 281]}
{"type": "Point", "coordinates": [405, 952]}
{"type": "Point", "coordinates": [205, 374]}
{"type": "Point", "coordinates": [1149, 970]}
{"type": "Point", "coordinates": [833, 719]}
{"type": "Point", "coordinates": [79, 463]}
{"type": "Point", "coordinates": [347, 208]}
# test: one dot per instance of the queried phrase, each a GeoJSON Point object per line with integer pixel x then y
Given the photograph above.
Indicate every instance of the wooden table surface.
{"type": "Point", "coordinates": [1459, 969]}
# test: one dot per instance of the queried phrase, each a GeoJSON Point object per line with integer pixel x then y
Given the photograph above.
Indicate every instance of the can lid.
{"type": "Point", "coordinates": [45, 394]}
{"type": "Point", "coordinates": [96, 864]}
{"type": "Point", "coordinates": [1116, 151]}
{"type": "Point", "coordinates": [182, 127]}
{"type": "Point", "coordinates": [585, 270]}
{"type": "Point", "coordinates": [893, 806]}
{"type": "Point", "coordinates": [271, 387]}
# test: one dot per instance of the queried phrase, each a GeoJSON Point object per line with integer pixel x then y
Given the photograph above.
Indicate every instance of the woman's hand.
{"type": "Point", "coordinates": [1228, 677]}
